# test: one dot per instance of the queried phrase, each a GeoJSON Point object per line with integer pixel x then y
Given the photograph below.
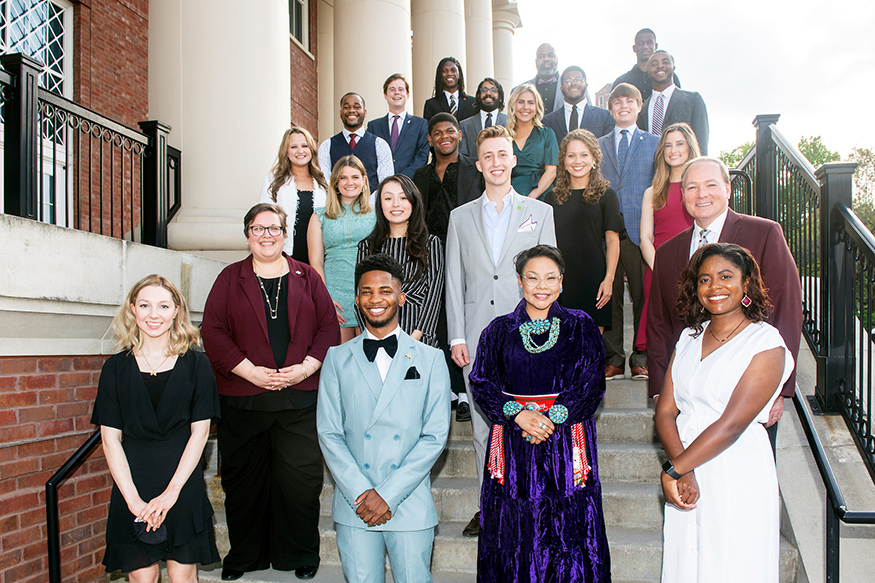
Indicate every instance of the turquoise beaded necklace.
{"type": "Point", "coordinates": [539, 327]}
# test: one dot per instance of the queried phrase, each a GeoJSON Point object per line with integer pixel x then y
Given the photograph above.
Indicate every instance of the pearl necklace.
{"type": "Point", "coordinates": [273, 310]}
{"type": "Point", "coordinates": [539, 327]}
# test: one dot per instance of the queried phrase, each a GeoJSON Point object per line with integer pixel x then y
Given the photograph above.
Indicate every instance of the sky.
{"type": "Point", "coordinates": [807, 61]}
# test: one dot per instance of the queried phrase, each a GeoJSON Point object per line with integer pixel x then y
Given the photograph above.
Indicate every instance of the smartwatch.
{"type": "Point", "coordinates": [668, 468]}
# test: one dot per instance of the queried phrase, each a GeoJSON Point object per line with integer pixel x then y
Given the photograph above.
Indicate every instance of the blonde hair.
{"type": "Point", "coordinates": [182, 334]}
{"type": "Point", "coordinates": [282, 168]}
{"type": "Point", "coordinates": [511, 106]}
{"type": "Point", "coordinates": [598, 184]}
{"type": "Point", "coordinates": [362, 205]}
{"type": "Point", "coordinates": [662, 171]}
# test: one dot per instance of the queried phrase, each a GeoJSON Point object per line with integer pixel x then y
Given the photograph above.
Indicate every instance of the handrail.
{"type": "Point", "coordinates": [862, 236]}
{"type": "Point", "coordinates": [6, 78]}
{"type": "Point", "coordinates": [751, 153]}
{"type": "Point", "coordinates": [53, 532]}
{"type": "Point", "coordinates": [92, 116]}
{"type": "Point", "coordinates": [789, 150]}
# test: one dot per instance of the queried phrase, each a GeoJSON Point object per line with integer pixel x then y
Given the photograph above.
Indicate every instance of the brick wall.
{"type": "Point", "coordinates": [111, 58]}
{"type": "Point", "coordinates": [45, 407]}
{"type": "Point", "coordinates": [305, 96]}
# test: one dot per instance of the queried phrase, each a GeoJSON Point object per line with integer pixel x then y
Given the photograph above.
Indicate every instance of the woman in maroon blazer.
{"type": "Point", "coordinates": [268, 323]}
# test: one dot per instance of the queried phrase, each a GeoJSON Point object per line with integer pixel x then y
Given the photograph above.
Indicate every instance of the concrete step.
{"type": "Point", "coordinates": [625, 425]}
{"type": "Point", "coordinates": [626, 394]}
{"type": "Point", "coordinates": [625, 462]}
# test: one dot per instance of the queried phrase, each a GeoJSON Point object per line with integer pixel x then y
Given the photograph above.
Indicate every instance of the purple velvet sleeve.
{"type": "Point", "coordinates": [488, 379]}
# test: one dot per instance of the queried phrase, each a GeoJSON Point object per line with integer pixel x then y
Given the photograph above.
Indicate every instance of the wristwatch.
{"type": "Point", "coordinates": [668, 468]}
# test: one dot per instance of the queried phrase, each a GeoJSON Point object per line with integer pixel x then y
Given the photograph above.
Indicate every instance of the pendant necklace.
{"type": "Point", "coordinates": [153, 370]}
{"type": "Point", "coordinates": [273, 310]}
{"type": "Point", "coordinates": [539, 327]}
{"type": "Point", "coordinates": [728, 335]}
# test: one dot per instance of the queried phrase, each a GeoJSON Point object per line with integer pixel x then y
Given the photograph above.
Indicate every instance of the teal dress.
{"type": "Point", "coordinates": [341, 237]}
{"type": "Point", "coordinates": [539, 150]}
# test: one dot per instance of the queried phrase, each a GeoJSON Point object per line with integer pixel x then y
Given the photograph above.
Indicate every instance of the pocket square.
{"type": "Point", "coordinates": [527, 226]}
{"type": "Point", "coordinates": [412, 374]}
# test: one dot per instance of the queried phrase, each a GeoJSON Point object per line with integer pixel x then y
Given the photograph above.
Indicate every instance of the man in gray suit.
{"type": "Point", "coordinates": [669, 104]}
{"type": "Point", "coordinates": [576, 113]}
{"type": "Point", "coordinates": [489, 102]}
{"type": "Point", "coordinates": [483, 238]}
{"type": "Point", "coordinates": [547, 80]}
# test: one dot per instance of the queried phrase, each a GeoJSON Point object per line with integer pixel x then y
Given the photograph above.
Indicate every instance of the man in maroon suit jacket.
{"type": "Point", "coordinates": [706, 193]}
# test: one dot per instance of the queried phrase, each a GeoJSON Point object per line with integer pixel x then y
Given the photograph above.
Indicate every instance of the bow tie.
{"type": "Point", "coordinates": [389, 344]}
{"type": "Point", "coordinates": [553, 79]}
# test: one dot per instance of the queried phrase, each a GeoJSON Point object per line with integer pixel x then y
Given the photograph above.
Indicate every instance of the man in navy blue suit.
{"type": "Point", "coordinates": [575, 113]}
{"type": "Point", "coordinates": [627, 163]}
{"type": "Point", "coordinates": [407, 135]}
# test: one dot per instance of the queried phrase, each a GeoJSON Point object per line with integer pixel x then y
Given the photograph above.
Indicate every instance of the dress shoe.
{"type": "Point", "coordinates": [614, 373]}
{"type": "Point", "coordinates": [463, 412]}
{"type": "Point", "coordinates": [231, 574]}
{"type": "Point", "coordinates": [306, 572]}
{"type": "Point", "coordinates": [473, 528]}
{"type": "Point", "coordinates": [639, 373]}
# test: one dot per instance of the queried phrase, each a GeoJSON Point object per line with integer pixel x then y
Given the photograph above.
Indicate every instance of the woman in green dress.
{"type": "Point", "coordinates": [534, 146]}
{"type": "Point", "coordinates": [334, 234]}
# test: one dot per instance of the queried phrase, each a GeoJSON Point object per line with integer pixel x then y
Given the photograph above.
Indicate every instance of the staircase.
{"type": "Point", "coordinates": [630, 462]}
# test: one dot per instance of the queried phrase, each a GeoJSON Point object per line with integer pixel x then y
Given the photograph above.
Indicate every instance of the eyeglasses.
{"type": "Point", "coordinates": [489, 90]}
{"type": "Point", "coordinates": [574, 80]}
{"type": "Point", "coordinates": [552, 280]}
{"type": "Point", "coordinates": [273, 230]}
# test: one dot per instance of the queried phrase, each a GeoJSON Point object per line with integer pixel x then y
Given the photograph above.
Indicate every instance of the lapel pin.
{"type": "Point", "coordinates": [408, 356]}
{"type": "Point", "coordinates": [297, 273]}
{"type": "Point", "coordinates": [519, 207]}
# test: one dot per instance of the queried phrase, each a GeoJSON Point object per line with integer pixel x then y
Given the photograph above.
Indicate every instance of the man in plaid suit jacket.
{"type": "Point", "coordinates": [627, 163]}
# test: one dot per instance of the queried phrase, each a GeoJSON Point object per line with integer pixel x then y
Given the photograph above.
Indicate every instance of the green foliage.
{"type": "Point", "coordinates": [864, 185]}
{"type": "Point", "coordinates": [816, 153]}
{"type": "Point", "coordinates": [732, 157]}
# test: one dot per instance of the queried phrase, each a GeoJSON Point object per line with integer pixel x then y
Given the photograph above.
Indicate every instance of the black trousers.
{"type": "Point", "coordinates": [457, 379]}
{"type": "Point", "coordinates": [272, 475]}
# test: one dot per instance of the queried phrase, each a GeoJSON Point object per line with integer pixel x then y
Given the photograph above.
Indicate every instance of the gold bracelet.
{"type": "Point", "coordinates": [304, 370]}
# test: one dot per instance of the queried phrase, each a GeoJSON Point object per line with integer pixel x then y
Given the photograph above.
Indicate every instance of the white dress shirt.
{"type": "Point", "coordinates": [494, 113]}
{"type": "Point", "coordinates": [454, 95]}
{"type": "Point", "coordinates": [385, 162]}
{"type": "Point", "coordinates": [666, 96]}
{"type": "Point", "coordinates": [382, 360]}
{"type": "Point", "coordinates": [618, 136]}
{"type": "Point", "coordinates": [580, 106]}
{"type": "Point", "coordinates": [714, 230]}
{"type": "Point", "coordinates": [496, 224]}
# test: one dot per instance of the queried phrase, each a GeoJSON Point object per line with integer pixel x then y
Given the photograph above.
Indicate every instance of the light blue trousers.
{"type": "Point", "coordinates": [363, 554]}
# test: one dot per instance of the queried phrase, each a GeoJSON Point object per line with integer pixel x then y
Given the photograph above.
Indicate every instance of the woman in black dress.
{"type": "Point", "coordinates": [155, 401]}
{"type": "Point", "coordinates": [588, 225]}
{"type": "Point", "coordinates": [400, 232]}
{"type": "Point", "coordinates": [297, 185]}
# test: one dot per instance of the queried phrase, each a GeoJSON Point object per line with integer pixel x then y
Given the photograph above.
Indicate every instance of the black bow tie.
{"type": "Point", "coordinates": [389, 344]}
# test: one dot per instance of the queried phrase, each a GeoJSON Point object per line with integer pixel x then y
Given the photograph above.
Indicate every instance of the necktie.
{"type": "Point", "coordinates": [572, 122]}
{"type": "Point", "coordinates": [351, 141]}
{"type": "Point", "coordinates": [623, 148]}
{"type": "Point", "coordinates": [488, 120]}
{"type": "Point", "coordinates": [389, 344]}
{"type": "Point", "coordinates": [394, 136]}
{"type": "Point", "coordinates": [703, 238]}
{"type": "Point", "coordinates": [453, 106]}
{"type": "Point", "coordinates": [658, 115]}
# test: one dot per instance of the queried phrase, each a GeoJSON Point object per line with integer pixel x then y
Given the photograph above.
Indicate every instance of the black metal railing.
{"type": "Point", "coordinates": [69, 166]}
{"type": "Point", "coordinates": [835, 255]}
{"type": "Point", "coordinates": [53, 531]}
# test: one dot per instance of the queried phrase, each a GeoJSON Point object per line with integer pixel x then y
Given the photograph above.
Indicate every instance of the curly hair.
{"type": "Point", "coordinates": [598, 184]}
{"type": "Point", "coordinates": [417, 231]}
{"type": "Point", "coordinates": [183, 335]}
{"type": "Point", "coordinates": [282, 168]}
{"type": "Point", "coordinates": [378, 262]}
{"type": "Point", "coordinates": [691, 311]}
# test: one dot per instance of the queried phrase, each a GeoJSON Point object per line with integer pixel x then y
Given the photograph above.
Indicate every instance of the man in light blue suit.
{"type": "Point", "coordinates": [383, 417]}
{"type": "Point", "coordinates": [406, 134]}
{"type": "Point", "coordinates": [627, 163]}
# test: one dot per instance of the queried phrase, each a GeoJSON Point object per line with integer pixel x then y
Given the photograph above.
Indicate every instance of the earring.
{"type": "Point", "coordinates": [561, 289]}
{"type": "Point", "coordinates": [746, 301]}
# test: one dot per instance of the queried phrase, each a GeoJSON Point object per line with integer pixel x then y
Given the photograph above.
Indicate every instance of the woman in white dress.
{"type": "Point", "coordinates": [720, 485]}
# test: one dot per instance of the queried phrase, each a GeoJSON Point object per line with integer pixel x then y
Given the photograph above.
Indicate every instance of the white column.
{"type": "Point", "coordinates": [505, 18]}
{"type": "Point", "coordinates": [438, 32]}
{"type": "Point", "coordinates": [478, 40]}
{"type": "Point", "coordinates": [371, 42]}
{"type": "Point", "coordinates": [327, 105]}
{"type": "Point", "coordinates": [219, 75]}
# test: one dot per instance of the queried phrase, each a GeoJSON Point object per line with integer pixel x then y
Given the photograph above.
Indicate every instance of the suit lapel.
{"type": "Point", "coordinates": [729, 232]}
{"type": "Point", "coordinates": [611, 153]}
{"type": "Point", "coordinates": [518, 210]}
{"type": "Point", "coordinates": [477, 216]}
{"type": "Point", "coordinates": [370, 372]}
{"type": "Point", "coordinates": [395, 375]}
{"type": "Point", "coordinates": [254, 294]}
{"type": "Point", "coordinates": [296, 292]}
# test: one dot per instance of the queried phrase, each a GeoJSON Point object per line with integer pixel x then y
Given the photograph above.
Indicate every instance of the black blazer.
{"type": "Point", "coordinates": [595, 119]}
{"type": "Point", "coordinates": [438, 104]}
{"type": "Point", "coordinates": [686, 106]}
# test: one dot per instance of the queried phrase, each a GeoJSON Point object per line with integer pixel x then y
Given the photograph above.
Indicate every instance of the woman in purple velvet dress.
{"type": "Point", "coordinates": [539, 377]}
